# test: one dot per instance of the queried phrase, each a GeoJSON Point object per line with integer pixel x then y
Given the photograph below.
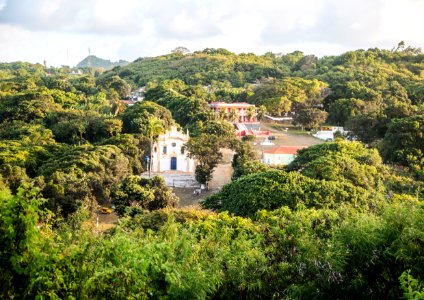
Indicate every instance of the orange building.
{"type": "Point", "coordinates": [240, 108]}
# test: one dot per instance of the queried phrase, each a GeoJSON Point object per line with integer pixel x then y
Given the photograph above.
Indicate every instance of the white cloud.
{"type": "Point", "coordinates": [60, 31]}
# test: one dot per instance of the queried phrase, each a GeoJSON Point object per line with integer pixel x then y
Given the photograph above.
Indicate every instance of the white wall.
{"type": "Point", "coordinates": [162, 161]}
{"type": "Point", "coordinates": [278, 159]}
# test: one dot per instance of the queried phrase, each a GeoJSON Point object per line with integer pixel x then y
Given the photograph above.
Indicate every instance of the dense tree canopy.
{"type": "Point", "coordinates": [340, 221]}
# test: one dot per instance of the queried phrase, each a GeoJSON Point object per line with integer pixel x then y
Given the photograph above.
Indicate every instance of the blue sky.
{"type": "Point", "coordinates": [61, 31]}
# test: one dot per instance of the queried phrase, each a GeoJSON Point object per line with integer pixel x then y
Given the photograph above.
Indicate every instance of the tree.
{"type": "Point", "coordinates": [206, 150]}
{"type": "Point", "coordinates": [136, 118]}
{"type": "Point", "coordinates": [113, 126]}
{"type": "Point", "coordinates": [20, 223]}
{"type": "Point", "coordinates": [116, 84]}
{"type": "Point", "coordinates": [180, 50]}
{"type": "Point", "coordinates": [282, 95]}
{"type": "Point", "coordinates": [232, 116]}
{"type": "Point", "coordinates": [154, 128]}
{"type": "Point", "coordinates": [273, 189]}
{"type": "Point", "coordinates": [145, 193]}
{"type": "Point", "coordinates": [222, 113]}
{"type": "Point", "coordinates": [245, 161]}
{"type": "Point", "coordinates": [342, 110]}
{"type": "Point", "coordinates": [261, 112]}
{"type": "Point", "coordinates": [250, 113]}
{"type": "Point", "coordinates": [223, 129]}
{"type": "Point", "coordinates": [404, 143]}
{"type": "Point", "coordinates": [342, 161]}
{"type": "Point", "coordinates": [310, 117]}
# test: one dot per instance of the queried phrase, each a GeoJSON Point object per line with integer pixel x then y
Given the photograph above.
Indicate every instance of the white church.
{"type": "Point", "coordinates": [168, 153]}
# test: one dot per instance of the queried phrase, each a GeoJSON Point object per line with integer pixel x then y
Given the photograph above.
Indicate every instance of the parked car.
{"type": "Point", "coordinates": [105, 210]}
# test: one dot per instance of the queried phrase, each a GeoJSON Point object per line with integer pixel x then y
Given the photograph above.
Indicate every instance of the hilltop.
{"type": "Point", "coordinates": [97, 62]}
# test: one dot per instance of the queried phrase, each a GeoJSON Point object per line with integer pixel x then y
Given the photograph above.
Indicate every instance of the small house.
{"type": "Point", "coordinates": [282, 155]}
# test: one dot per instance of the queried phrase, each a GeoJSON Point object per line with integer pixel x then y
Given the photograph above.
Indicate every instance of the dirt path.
{"type": "Point", "coordinates": [222, 173]}
{"type": "Point", "coordinates": [220, 177]}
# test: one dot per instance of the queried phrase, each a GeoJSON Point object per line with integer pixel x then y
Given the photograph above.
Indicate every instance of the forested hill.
{"type": "Point", "coordinates": [92, 61]}
{"type": "Point", "coordinates": [203, 67]}
{"type": "Point", "coordinates": [362, 90]}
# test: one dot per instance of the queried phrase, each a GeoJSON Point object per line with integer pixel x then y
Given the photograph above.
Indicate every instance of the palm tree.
{"type": "Point", "coordinates": [233, 115]}
{"type": "Point", "coordinates": [154, 128]}
{"type": "Point", "coordinates": [251, 112]}
{"type": "Point", "coordinates": [117, 107]}
{"type": "Point", "coordinates": [261, 112]}
{"type": "Point", "coordinates": [222, 114]}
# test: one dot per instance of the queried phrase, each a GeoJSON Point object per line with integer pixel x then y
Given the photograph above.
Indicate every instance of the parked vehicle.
{"type": "Point", "coordinates": [105, 210]}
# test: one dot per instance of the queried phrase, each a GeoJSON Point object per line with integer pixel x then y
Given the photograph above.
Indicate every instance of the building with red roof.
{"type": "Point", "coordinates": [282, 155]}
{"type": "Point", "coordinates": [240, 109]}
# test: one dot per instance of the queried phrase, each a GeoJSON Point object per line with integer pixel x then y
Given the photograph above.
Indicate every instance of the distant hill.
{"type": "Point", "coordinates": [373, 68]}
{"type": "Point", "coordinates": [96, 62]}
{"type": "Point", "coordinates": [203, 67]}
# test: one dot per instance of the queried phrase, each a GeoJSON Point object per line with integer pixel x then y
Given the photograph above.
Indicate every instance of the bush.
{"type": "Point", "coordinates": [273, 189]}
{"type": "Point", "coordinates": [145, 193]}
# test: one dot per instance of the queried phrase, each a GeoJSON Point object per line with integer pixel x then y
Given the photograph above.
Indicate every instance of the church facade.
{"type": "Point", "coordinates": [169, 154]}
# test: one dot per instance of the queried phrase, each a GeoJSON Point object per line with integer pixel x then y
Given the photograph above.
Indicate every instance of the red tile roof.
{"type": "Point", "coordinates": [128, 101]}
{"type": "Point", "coordinates": [284, 150]}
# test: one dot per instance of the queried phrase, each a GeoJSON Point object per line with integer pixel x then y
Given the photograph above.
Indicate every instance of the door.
{"type": "Point", "coordinates": [173, 163]}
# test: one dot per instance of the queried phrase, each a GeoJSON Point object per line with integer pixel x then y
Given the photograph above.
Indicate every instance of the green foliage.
{"type": "Point", "coordinates": [244, 161]}
{"type": "Point", "coordinates": [342, 110]}
{"type": "Point", "coordinates": [273, 189]}
{"type": "Point", "coordinates": [404, 143]}
{"type": "Point", "coordinates": [20, 238]}
{"type": "Point", "coordinates": [136, 118]}
{"type": "Point", "coordinates": [223, 129]}
{"type": "Point", "coordinates": [151, 194]}
{"type": "Point", "coordinates": [412, 288]}
{"type": "Point", "coordinates": [115, 83]}
{"type": "Point", "coordinates": [27, 106]}
{"type": "Point", "coordinates": [203, 67]}
{"type": "Point", "coordinates": [134, 148]}
{"type": "Point", "coordinates": [77, 126]}
{"type": "Point", "coordinates": [311, 118]}
{"type": "Point", "coordinates": [206, 150]}
{"type": "Point", "coordinates": [342, 161]}
{"type": "Point", "coordinates": [187, 104]}
{"type": "Point", "coordinates": [322, 253]}
{"type": "Point", "coordinates": [83, 175]}
{"type": "Point", "coordinates": [343, 226]}
{"type": "Point", "coordinates": [288, 94]}
{"type": "Point", "coordinates": [28, 133]}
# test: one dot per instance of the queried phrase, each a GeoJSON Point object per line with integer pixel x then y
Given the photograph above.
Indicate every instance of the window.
{"type": "Point", "coordinates": [174, 144]}
{"type": "Point", "coordinates": [164, 149]}
{"type": "Point", "coordinates": [155, 150]}
{"type": "Point", "coordinates": [182, 150]}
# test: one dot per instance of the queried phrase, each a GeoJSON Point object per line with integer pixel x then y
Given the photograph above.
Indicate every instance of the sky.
{"type": "Point", "coordinates": [61, 31]}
